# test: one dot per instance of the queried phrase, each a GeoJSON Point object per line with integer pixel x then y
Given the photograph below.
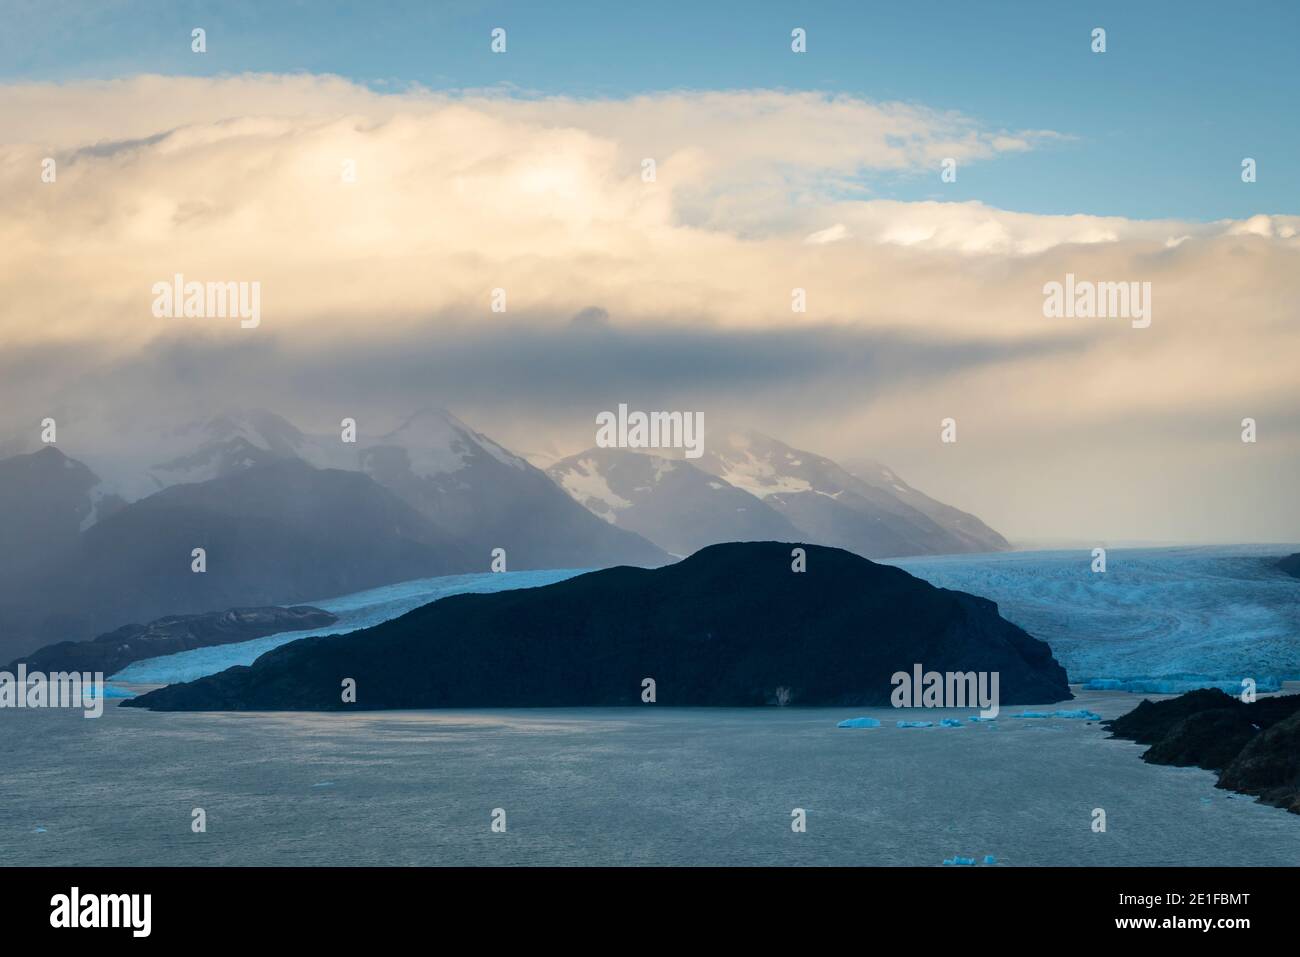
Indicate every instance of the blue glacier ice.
{"type": "Point", "coordinates": [1160, 620]}
{"type": "Point", "coordinates": [858, 723]}
{"type": "Point", "coordinates": [914, 724]}
{"type": "Point", "coordinates": [1177, 684]}
{"type": "Point", "coordinates": [1080, 714]}
{"type": "Point", "coordinates": [950, 723]}
{"type": "Point", "coordinates": [358, 610]}
{"type": "Point", "coordinates": [1157, 620]}
{"type": "Point", "coordinates": [959, 861]}
{"type": "Point", "coordinates": [990, 859]}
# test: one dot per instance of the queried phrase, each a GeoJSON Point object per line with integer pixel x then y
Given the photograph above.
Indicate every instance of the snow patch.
{"type": "Point", "coordinates": [588, 486]}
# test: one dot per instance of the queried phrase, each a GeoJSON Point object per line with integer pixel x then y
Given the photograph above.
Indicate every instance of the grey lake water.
{"type": "Point", "coordinates": [647, 785]}
{"type": "Point", "coordinates": [654, 785]}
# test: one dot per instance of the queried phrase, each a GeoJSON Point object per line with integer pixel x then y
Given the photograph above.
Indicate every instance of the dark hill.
{"type": "Point", "coordinates": [727, 626]}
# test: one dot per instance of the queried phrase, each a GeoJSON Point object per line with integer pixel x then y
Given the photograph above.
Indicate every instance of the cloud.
{"type": "Point", "coordinates": [831, 234]}
{"type": "Point", "coordinates": [379, 288]}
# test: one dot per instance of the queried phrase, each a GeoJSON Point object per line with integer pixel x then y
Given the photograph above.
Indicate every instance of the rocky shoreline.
{"type": "Point", "coordinates": [1253, 747]}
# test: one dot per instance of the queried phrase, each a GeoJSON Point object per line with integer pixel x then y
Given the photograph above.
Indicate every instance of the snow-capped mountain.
{"type": "Point", "coordinates": [234, 441]}
{"type": "Point", "coordinates": [877, 517]}
{"type": "Point", "coordinates": [472, 488]}
{"type": "Point", "coordinates": [491, 498]}
{"type": "Point", "coordinates": [280, 533]}
{"type": "Point", "coordinates": [669, 501]}
{"type": "Point", "coordinates": [285, 516]}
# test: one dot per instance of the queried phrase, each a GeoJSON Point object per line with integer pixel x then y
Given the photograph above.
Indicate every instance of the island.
{"type": "Point", "coordinates": [736, 624]}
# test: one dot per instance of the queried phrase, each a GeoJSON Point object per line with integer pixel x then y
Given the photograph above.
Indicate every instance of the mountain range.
{"type": "Point", "coordinates": [747, 486]}
{"type": "Point", "coordinates": [286, 517]}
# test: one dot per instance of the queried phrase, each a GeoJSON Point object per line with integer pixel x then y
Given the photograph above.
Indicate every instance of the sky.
{"type": "Point", "coordinates": [1183, 91]}
{"type": "Point", "coordinates": [775, 170]}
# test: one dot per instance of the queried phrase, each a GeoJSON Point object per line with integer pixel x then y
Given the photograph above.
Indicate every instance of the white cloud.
{"type": "Point", "coordinates": [832, 234]}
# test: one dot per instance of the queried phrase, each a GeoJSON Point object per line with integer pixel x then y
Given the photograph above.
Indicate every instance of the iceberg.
{"type": "Point", "coordinates": [858, 723]}
{"type": "Point", "coordinates": [1079, 714]}
{"type": "Point", "coordinates": [959, 861]}
{"type": "Point", "coordinates": [915, 724]}
{"type": "Point", "coordinates": [950, 723]}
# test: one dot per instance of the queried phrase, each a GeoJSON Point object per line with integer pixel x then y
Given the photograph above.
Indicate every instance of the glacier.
{"type": "Point", "coordinates": [1158, 620]}
{"type": "Point", "coordinates": [358, 610]}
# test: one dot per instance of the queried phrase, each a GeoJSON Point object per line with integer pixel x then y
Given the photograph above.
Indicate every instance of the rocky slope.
{"type": "Point", "coordinates": [112, 652]}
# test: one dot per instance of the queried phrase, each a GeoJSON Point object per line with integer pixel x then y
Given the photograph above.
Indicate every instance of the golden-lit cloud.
{"type": "Point", "coordinates": [754, 194]}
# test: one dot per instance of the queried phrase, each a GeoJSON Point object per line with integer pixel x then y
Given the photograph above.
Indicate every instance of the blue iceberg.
{"type": "Point", "coordinates": [915, 724]}
{"type": "Point", "coordinates": [858, 723]}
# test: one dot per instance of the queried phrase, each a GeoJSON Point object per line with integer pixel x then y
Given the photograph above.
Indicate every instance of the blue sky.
{"type": "Point", "coordinates": [1157, 125]}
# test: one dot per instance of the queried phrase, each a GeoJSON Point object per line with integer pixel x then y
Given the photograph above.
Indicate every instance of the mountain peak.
{"type": "Point", "coordinates": [438, 442]}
